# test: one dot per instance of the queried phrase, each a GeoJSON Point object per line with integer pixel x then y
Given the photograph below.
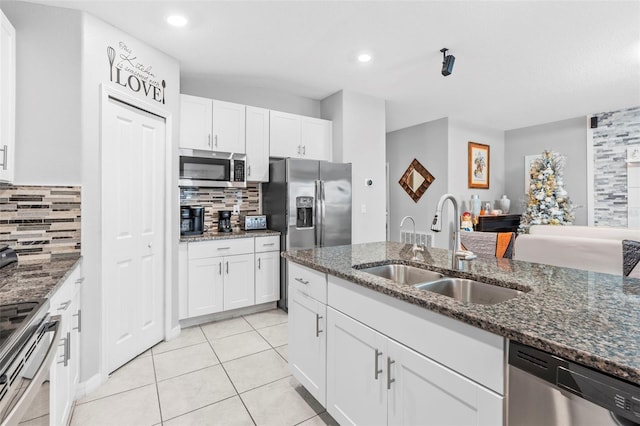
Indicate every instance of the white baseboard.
{"type": "Point", "coordinates": [89, 385]}
{"type": "Point", "coordinates": [173, 333]}
{"type": "Point", "coordinates": [190, 322]}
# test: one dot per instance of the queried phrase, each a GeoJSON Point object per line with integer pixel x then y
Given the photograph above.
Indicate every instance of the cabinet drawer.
{"type": "Point", "coordinates": [204, 249]}
{"type": "Point", "coordinates": [312, 283]}
{"type": "Point", "coordinates": [271, 243]}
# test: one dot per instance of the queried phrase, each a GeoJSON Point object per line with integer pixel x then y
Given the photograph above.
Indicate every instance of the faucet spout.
{"type": "Point", "coordinates": [458, 255]}
{"type": "Point", "coordinates": [415, 248]}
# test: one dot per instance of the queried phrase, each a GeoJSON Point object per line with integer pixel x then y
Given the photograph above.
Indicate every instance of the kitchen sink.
{"type": "Point", "coordinates": [403, 274]}
{"type": "Point", "coordinates": [470, 291]}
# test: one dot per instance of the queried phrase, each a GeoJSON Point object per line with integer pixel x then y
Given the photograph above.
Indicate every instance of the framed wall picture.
{"type": "Point", "coordinates": [478, 165]}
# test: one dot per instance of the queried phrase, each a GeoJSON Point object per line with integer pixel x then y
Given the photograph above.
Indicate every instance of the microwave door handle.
{"type": "Point", "coordinates": [317, 217]}
{"type": "Point", "coordinates": [24, 403]}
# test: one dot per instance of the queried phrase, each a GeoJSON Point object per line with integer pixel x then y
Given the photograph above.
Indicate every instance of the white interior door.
{"type": "Point", "coordinates": [133, 147]}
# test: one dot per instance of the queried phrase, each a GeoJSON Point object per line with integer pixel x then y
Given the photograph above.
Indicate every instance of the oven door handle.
{"type": "Point", "coordinates": [20, 408]}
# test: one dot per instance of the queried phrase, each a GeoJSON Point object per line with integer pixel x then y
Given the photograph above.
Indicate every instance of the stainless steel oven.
{"type": "Point", "coordinates": [29, 338]}
{"type": "Point", "coordinates": [202, 168]}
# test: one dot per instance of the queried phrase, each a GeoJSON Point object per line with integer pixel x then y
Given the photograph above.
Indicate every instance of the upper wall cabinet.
{"type": "Point", "coordinates": [297, 136]}
{"type": "Point", "coordinates": [211, 125]}
{"type": "Point", "coordinates": [7, 99]}
{"type": "Point", "coordinates": [257, 143]}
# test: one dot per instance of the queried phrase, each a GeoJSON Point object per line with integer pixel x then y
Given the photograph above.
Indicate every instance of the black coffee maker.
{"type": "Point", "coordinates": [191, 220]}
{"type": "Point", "coordinates": [224, 220]}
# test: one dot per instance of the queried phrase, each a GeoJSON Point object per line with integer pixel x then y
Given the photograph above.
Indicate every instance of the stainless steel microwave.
{"type": "Point", "coordinates": [212, 169]}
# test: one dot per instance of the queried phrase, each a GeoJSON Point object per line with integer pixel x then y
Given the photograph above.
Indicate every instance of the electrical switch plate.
{"type": "Point", "coordinates": [363, 208]}
{"type": "Point", "coordinates": [236, 209]}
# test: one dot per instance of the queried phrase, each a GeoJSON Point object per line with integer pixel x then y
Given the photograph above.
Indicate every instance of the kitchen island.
{"type": "Point", "coordinates": [587, 317]}
{"type": "Point", "coordinates": [373, 350]}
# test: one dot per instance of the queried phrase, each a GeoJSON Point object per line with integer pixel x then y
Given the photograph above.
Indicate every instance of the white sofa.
{"type": "Point", "coordinates": [590, 248]}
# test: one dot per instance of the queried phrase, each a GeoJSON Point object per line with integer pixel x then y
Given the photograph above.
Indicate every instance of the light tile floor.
{"type": "Point", "coordinates": [231, 372]}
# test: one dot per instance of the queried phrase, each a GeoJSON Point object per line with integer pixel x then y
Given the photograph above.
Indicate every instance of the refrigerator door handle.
{"type": "Point", "coordinates": [317, 217]}
{"type": "Point", "coordinates": [322, 213]}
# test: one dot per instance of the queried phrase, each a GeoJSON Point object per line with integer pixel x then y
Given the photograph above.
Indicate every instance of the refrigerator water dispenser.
{"type": "Point", "coordinates": [304, 212]}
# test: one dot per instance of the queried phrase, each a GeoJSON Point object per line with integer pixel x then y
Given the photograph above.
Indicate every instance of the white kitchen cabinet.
{"type": "Point", "coordinates": [297, 136]}
{"type": "Point", "coordinates": [7, 99]}
{"type": "Point", "coordinates": [211, 125]}
{"type": "Point", "coordinates": [64, 373]}
{"type": "Point", "coordinates": [228, 127]}
{"type": "Point", "coordinates": [284, 134]}
{"type": "Point", "coordinates": [239, 281]}
{"type": "Point", "coordinates": [267, 269]}
{"type": "Point", "coordinates": [356, 374]}
{"type": "Point", "coordinates": [183, 280]}
{"type": "Point", "coordinates": [307, 340]}
{"type": "Point", "coordinates": [195, 122]}
{"type": "Point", "coordinates": [372, 379]}
{"type": "Point", "coordinates": [257, 144]}
{"type": "Point", "coordinates": [316, 138]}
{"type": "Point", "coordinates": [220, 275]}
{"type": "Point", "coordinates": [205, 286]}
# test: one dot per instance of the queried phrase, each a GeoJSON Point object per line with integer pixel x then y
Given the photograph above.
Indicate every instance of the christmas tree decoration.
{"type": "Point", "coordinates": [547, 202]}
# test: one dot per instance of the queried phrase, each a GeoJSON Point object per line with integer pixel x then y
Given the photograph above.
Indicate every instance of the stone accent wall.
{"type": "Point", "coordinates": [616, 131]}
{"type": "Point", "coordinates": [40, 222]}
{"type": "Point", "coordinates": [214, 199]}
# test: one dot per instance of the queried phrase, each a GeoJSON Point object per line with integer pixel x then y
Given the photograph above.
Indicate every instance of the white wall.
{"type": "Point", "coordinates": [48, 138]}
{"type": "Point", "coordinates": [359, 125]}
{"type": "Point", "coordinates": [97, 36]}
{"type": "Point", "coordinates": [209, 87]}
{"type": "Point", "coordinates": [427, 143]}
{"type": "Point", "coordinates": [460, 134]}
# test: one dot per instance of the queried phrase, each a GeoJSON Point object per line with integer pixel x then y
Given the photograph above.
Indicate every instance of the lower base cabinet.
{"type": "Point", "coordinates": [307, 334]}
{"type": "Point", "coordinates": [374, 380]}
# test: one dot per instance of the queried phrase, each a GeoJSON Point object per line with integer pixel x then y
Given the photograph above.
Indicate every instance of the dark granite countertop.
{"type": "Point", "coordinates": [34, 280]}
{"type": "Point", "coordinates": [237, 233]}
{"type": "Point", "coordinates": [587, 317]}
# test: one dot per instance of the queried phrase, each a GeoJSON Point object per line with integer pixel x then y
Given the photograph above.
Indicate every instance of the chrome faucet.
{"type": "Point", "coordinates": [458, 255]}
{"type": "Point", "coordinates": [415, 248]}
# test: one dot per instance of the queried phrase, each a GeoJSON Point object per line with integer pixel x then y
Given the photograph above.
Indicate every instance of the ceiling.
{"type": "Point", "coordinates": [518, 63]}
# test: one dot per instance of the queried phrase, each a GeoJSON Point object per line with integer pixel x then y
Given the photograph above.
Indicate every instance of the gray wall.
{"type": "Point", "coordinates": [569, 138]}
{"type": "Point", "coordinates": [48, 114]}
{"type": "Point", "coordinates": [428, 143]}
{"type": "Point", "coordinates": [208, 87]}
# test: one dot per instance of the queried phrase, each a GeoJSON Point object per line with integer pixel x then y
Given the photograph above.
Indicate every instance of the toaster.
{"type": "Point", "coordinates": [252, 222]}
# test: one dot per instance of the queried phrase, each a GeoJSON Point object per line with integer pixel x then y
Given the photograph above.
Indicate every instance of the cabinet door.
{"type": "Point", "coordinates": [7, 99]}
{"type": "Point", "coordinates": [183, 280]}
{"type": "Point", "coordinates": [427, 393]}
{"type": "Point", "coordinates": [356, 372]}
{"type": "Point", "coordinates": [228, 127]}
{"type": "Point", "coordinates": [267, 277]}
{"type": "Point", "coordinates": [195, 122]}
{"type": "Point", "coordinates": [74, 356]}
{"type": "Point", "coordinates": [239, 281]}
{"type": "Point", "coordinates": [205, 286]}
{"type": "Point", "coordinates": [257, 144]}
{"type": "Point", "coordinates": [284, 134]}
{"type": "Point", "coordinates": [307, 342]}
{"type": "Point", "coordinates": [316, 138]}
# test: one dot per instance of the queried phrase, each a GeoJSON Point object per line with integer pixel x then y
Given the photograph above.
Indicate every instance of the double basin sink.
{"type": "Point", "coordinates": [460, 289]}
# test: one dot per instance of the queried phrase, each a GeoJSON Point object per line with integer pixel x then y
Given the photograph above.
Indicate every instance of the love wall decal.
{"type": "Point", "coordinates": [127, 71]}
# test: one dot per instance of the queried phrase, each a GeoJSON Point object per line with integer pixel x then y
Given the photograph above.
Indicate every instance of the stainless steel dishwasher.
{"type": "Point", "coordinates": [545, 390]}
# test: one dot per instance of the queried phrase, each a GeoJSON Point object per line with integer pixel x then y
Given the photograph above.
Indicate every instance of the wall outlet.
{"type": "Point", "coordinates": [236, 209]}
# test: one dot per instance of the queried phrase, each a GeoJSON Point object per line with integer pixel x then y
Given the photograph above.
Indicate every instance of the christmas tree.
{"type": "Point", "coordinates": [547, 202]}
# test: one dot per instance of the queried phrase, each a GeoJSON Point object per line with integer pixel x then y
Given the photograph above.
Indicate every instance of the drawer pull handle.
{"type": "Point", "coordinates": [378, 371]}
{"type": "Point", "coordinates": [220, 268]}
{"type": "Point", "coordinates": [269, 244]}
{"type": "Point", "coordinates": [389, 379]}
{"type": "Point", "coordinates": [300, 280]}
{"type": "Point", "coordinates": [318, 331]}
{"type": "Point", "coordinates": [227, 268]}
{"type": "Point", "coordinates": [79, 315]}
{"type": "Point", "coordinates": [224, 248]}
{"type": "Point", "coordinates": [64, 306]}
{"type": "Point", "coordinates": [80, 280]}
{"type": "Point", "coordinates": [258, 263]}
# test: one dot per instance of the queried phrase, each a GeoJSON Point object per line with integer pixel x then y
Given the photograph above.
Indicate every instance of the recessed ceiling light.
{"type": "Point", "coordinates": [364, 57]}
{"type": "Point", "coordinates": [177, 20]}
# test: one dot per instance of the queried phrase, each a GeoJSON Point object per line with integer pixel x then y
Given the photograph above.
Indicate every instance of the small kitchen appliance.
{"type": "Point", "coordinates": [252, 222]}
{"type": "Point", "coordinates": [203, 168]}
{"type": "Point", "coordinates": [224, 221]}
{"type": "Point", "coordinates": [7, 256]}
{"type": "Point", "coordinates": [191, 220]}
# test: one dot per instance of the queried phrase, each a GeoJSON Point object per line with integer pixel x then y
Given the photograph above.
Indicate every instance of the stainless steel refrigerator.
{"type": "Point", "coordinates": [309, 202]}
